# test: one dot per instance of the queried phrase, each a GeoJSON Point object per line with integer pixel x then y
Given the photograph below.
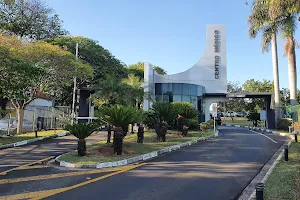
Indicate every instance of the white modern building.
{"type": "Point", "coordinates": [202, 84]}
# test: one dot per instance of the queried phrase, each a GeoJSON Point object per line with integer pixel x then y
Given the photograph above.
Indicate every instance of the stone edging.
{"type": "Point", "coordinates": [134, 159]}
{"type": "Point", "coordinates": [261, 129]}
{"type": "Point", "coordinates": [249, 192]}
{"type": "Point", "coordinates": [25, 142]}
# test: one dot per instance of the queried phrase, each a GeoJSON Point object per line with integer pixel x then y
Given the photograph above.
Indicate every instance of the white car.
{"type": "Point", "coordinates": [230, 114]}
{"type": "Point", "coordinates": [27, 125]}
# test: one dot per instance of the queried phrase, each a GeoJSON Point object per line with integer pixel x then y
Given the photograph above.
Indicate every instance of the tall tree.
{"type": "Point", "coordinates": [43, 67]}
{"type": "Point", "coordinates": [255, 86]}
{"type": "Point", "coordinates": [261, 21]}
{"type": "Point", "coordinates": [30, 18]}
{"type": "Point", "coordinates": [136, 89]}
{"type": "Point", "coordinates": [138, 69]}
{"type": "Point", "coordinates": [285, 13]}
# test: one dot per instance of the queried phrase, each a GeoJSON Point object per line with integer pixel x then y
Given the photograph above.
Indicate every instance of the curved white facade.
{"type": "Point", "coordinates": [210, 71]}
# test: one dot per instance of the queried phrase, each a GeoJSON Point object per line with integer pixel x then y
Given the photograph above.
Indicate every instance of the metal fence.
{"type": "Point", "coordinates": [36, 118]}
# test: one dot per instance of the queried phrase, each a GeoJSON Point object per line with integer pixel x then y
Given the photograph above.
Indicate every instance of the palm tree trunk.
{"type": "Point", "coordinates": [292, 71]}
{"type": "Point", "coordinates": [276, 78]}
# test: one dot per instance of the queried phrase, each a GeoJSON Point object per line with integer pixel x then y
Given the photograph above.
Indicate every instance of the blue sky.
{"type": "Point", "coordinates": [171, 33]}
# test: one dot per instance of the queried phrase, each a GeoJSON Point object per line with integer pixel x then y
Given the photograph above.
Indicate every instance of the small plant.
{"type": "Point", "coordinates": [283, 124]}
{"type": "Point", "coordinates": [81, 131]}
{"type": "Point", "coordinates": [193, 124]}
{"type": "Point", "coordinates": [210, 123]}
{"type": "Point", "coordinates": [120, 117]}
{"type": "Point", "coordinates": [204, 126]}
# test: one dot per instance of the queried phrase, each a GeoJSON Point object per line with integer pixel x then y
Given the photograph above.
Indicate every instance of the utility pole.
{"type": "Point", "coordinates": [74, 89]}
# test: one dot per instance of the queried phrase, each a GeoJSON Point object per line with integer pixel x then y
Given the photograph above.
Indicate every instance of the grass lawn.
{"type": "Point", "coordinates": [27, 136]}
{"type": "Point", "coordinates": [236, 121]}
{"type": "Point", "coordinates": [284, 181]}
{"type": "Point", "coordinates": [102, 152]}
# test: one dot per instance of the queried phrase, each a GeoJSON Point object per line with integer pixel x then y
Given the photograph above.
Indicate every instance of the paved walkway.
{"type": "Point", "coordinates": [17, 156]}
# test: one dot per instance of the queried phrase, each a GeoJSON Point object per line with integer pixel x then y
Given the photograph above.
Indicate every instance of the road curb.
{"type": "Point", "coordinates": [25, 142]}
{"type": "Point", "coordinates": [261, 129]}
{"type": "Point", "coordinates": [135, 159]}
{"type": "Point", "coordinates": [249, 192]}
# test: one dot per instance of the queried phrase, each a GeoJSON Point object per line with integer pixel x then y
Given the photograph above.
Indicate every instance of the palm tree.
{"type": "Point", "coordinates": [81, 131]}
{"type": "Point", "coordinates": [260, 21]}
{"type": "Point", "coordinates": [285, 12]}
{"type": "Point", "coordinates": [164, 112]}
{"type": "Point", "coordinates": [137, 90]}
{"type": "Point", "coordinates": [120, 117]}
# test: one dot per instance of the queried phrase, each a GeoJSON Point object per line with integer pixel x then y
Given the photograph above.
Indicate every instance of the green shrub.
{"type": "Point", "coordinates": [193, 124]}
{"type": "Point", "coordinates": [204, 126]}
{"type": "Point", "coordinates": [283, 124]}
{"type": "Point", "coordinates": [150, 119]}
{"type": "Point", "coordinates": [185, 109]}
{"type": "Point", "coordinates": [210, 123]}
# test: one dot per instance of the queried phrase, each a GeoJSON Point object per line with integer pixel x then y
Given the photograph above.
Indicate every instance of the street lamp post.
{"type": "Point", "coordinates": [74, 89]}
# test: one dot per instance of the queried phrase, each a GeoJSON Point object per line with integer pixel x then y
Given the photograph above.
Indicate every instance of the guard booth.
{"type": "Point", "coordinates": [269, 105]}
{"type": "Point", "coordinates": [85, 110]}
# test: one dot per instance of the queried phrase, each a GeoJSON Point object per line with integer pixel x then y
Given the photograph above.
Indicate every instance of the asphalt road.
{"type": "Point", "coordinates": [14, 157]}
{"type": "Point", "coordinates": [217, 169]}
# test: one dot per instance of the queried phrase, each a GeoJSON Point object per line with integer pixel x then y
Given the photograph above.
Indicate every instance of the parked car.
{"type": "Point", "coordinates": [229, 114]}
{"type": "Point", "coordinates": [240, 114]}
{"type": "Point", "coordinates": [27, 125]}
{"type": "Point", "coordinates": [220, 114]}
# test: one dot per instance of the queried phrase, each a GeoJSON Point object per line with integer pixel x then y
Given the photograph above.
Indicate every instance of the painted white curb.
{"type": "Point", "coordinates": [143, 157]}
{"type": "Point", "coordinates": [25, 142]}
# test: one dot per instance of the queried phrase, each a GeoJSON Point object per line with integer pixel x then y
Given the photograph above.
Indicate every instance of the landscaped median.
{"type": "Point", "coordinates": [100, 155]}
{"type": "Point", "coordinates": [26, 138]}
{"type": "Point", "coordinates": [284, 181]}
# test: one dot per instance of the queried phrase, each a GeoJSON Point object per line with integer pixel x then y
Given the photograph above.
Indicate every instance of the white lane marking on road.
{"type": "Point", "coordinates": [264, 136]}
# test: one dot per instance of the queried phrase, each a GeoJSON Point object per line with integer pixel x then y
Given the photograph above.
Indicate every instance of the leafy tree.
{"type": "Point", "coordinates": [17, 81]}
{"type": "Point", "coordinates": [261, 21]}
{"type": "Point", "coordinates": [185, 109]}
{"type": "Point", "coordinates": [233, 104]}
{"type": "Point", "coordinates": [111, 91]}
{"type": "Point", "coordinates": [46, 68]}
{"type": "Point", "coordinates": [30, 18]}
{"type": "Point", "coordinates": [138, 69]}
{"type": "Point", "coordinates": [91, 52]}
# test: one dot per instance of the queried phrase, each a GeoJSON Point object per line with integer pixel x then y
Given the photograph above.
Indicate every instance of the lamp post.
{"type": "Point", "coordinates": [74, 89]}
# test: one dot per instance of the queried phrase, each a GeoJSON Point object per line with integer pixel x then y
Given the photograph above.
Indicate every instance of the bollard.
{"type": "Point", "coordinates": [296, 138]}
{"type": "Point", "coordinates": [259, 191]}
{"type": "Point", "coordinates": [286, 153]}
{"type": "Point", "coordinates": [36, 133]}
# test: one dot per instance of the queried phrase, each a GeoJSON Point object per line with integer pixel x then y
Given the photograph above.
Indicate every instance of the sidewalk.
{"type": "Point", "coordinates": [17, 156]}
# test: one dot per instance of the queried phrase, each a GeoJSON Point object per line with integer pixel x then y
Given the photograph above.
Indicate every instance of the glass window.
{"type": "Point", "coordinates": [176, 88]}
{"type": "Point", "coordinates": [199, 91]}
{"type": "Point", "coordinates": [194, 101]}
{"type": "Point", "coordinates": [158, 88]}
{"type": "Point", "coordinates": [176, 98]}
{"type": "Point", "coordinates": [186, 89]}
{"type": "Point", "coordinates": [186, 98]}
{"type": "Point", "coordinates": [193, 90]}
